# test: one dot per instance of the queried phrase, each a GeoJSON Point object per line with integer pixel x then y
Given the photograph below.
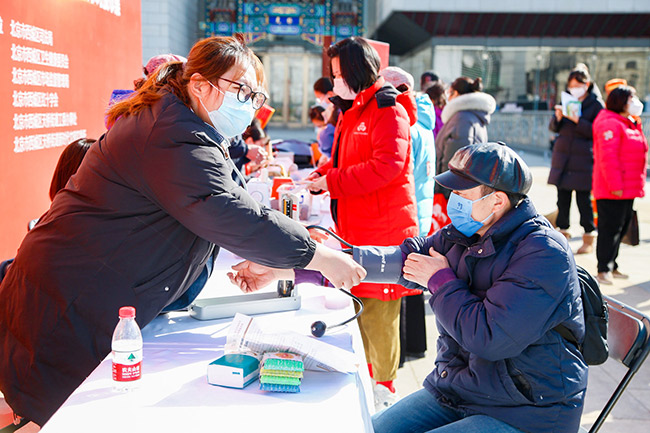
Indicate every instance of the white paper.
{"type": "Point", "coordinates": [245, 334]}
{"type": "Point", "coordinates": [571, 106]}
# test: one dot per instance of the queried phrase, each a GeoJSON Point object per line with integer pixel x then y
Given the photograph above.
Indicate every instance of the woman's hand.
{"type": "Point", "coordinates": [558, 112]}
{"type": "Point", "coordinates": [312, 176]}
{"type": "Point", "coordinates": [256, 154]}
{"type": "Point", "coordinates": [420, 268]}
{"type": "Point", "coordinates": [618, 193]}
{"type": "Point", "coordinates": [324, 159]}
{"type": "Point", "coordinates": [320, 184]}
{"type": "Point", "coordinates": [251, 277]}
{"type": "Point", "coordinates": [575, 119]}
{"type": "Point", "coordinates": [337, 267]}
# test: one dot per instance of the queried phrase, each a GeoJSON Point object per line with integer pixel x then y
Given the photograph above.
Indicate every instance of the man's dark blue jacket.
{"type": "Point", "coordinates": [498, 354]}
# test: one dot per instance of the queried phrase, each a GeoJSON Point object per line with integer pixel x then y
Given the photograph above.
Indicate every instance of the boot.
{"type": "Point", "coordinates": [605, 278]}
{"type": "Point", "coordinates": [587, 244]}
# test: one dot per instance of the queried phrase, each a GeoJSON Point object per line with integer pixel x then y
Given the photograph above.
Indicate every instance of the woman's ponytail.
{"type": "Point", "coordinates": [210, 58]}
{"type": "Point", "coordinates": [477, 85]}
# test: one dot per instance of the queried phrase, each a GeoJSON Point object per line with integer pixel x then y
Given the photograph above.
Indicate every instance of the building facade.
{"type": "Point", "coordinates": [289, 38]}
{"type": "Point", "coordinates": [523, 50]}
{"type": "Point", "coordinates": [169, 26]}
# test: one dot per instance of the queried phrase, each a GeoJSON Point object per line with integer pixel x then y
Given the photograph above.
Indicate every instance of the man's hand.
{"type": "Point", "coordinates": [419, 268]}
{"type": "Point", "coordinates": [319, 184]}
{"type": "Point", "coordinates": [251, 277]}
{"type": "Point", "coordinates": [337, 267]}
{"type": "Point", "coordinates": [618, 193]}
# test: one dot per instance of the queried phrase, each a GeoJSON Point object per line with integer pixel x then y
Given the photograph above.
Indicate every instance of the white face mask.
{"type": "Point", "coordinates": [635, 107]}
{"type": "Point", "coordinates": [323, 102]}
{"type": "Point", "coordinates": [342, 89]}
{"type": "Point", "coordinates": [578, 92]}
{"type": "Point", "coordinates": [233, 117]}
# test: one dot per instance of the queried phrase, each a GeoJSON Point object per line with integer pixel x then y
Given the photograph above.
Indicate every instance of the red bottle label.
{"type": "Point", "coordinates": [127, 373]}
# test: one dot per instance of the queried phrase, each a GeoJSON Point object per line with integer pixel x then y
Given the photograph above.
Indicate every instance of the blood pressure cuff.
{"type": "Point", "coordinates": [383, 264]}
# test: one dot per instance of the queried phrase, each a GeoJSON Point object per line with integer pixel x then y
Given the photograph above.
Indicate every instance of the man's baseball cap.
{"type": "Point", "coordinates": [492, 164]}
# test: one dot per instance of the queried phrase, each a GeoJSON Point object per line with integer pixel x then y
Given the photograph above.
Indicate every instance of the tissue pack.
{"type": "Point", "coordinates": [233, 370]}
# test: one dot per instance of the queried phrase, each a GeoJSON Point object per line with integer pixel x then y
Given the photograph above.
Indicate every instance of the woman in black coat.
{"type": "Point", "coordinates": [572, 161]}
{"type": "Point", "coordinates": [151, 203]}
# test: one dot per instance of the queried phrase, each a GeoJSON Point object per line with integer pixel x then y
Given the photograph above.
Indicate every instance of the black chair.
{"type": "Point", "coordinates": [628, 337]}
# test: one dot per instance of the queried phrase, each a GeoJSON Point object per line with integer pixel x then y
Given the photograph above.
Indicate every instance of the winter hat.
{"type": "Point", "coordinates": [614, 83]}
{"type": "Point", "coordinates": [158, 60]}
{"type": "Point", "coordinates": [397, 76]}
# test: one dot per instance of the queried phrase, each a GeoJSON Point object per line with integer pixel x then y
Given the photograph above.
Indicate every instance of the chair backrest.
{"type": "Point", "coordinates": [627, 332]}
{"type": "Point", "coordinates": [628, 337]}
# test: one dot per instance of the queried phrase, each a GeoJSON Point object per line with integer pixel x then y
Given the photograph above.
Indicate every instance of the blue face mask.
{"type": "Point", "coordinates": [459, 210]}
{"type": "Point", "coordinates": [233, 117]}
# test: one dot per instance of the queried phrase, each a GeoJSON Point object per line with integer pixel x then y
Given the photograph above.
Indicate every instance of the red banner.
{"type": "Point", "coordinates": [59, 62]}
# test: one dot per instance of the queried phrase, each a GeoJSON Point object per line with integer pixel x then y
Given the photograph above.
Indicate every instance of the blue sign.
{"type": "Point", "coordinates": [284, 9]}
{"type": "Point", "coordinates": [284, 30]}
{"type": "Point", "coordinates": [284, 21]}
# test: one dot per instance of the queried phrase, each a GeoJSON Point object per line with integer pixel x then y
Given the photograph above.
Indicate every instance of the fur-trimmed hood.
{"type": "Point", "coordinates": [475, 101]}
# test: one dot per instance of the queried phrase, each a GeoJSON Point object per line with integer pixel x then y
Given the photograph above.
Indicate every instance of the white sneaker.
{"type": "Point", "coordinates": [383, 397]}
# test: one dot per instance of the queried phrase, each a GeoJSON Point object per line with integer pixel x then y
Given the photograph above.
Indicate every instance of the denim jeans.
{"type": "Point", "coordinates": [420, 413]}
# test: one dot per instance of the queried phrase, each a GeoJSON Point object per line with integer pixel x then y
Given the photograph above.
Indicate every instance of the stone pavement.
{"type": "Point", "coordinates": [632, 413]}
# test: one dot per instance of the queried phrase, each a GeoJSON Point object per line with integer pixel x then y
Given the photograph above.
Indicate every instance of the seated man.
{"type": "Point", "coordinates": [501, 279]}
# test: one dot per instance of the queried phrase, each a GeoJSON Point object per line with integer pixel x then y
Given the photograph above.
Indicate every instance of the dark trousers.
{"type": "Point", "coordinates": [413, 332]}
{"type": "Point", "coordinates": [583, 199]}
{"type": "Point", "coordinates": [613, 220]}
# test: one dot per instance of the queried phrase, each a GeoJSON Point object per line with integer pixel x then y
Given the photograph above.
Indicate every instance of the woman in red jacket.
{"type": "Point", "coordinates": [620, 160]}
{"type": "Point", "coordinates": [370, 180]}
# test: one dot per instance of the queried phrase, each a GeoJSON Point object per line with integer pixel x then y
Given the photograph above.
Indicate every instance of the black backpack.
{"type": "Point", "coordinates": [594, 348]}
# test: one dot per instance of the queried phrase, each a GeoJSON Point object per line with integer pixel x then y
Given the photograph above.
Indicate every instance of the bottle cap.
{"type": "Point", "coordinates": [127, 312]}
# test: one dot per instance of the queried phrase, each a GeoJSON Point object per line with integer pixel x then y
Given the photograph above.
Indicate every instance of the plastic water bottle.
{"type": "Point", "coordinates": [127, 351]}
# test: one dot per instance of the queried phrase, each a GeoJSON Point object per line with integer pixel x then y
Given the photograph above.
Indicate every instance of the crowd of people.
{"type": "Point", "coordinates": [409, 171]}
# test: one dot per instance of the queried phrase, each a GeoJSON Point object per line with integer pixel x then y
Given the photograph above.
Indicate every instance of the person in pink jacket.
{"type": "Point", "coordinates": [620, 160]}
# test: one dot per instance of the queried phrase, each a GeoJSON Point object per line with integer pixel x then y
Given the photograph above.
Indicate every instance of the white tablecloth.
{"type": "Point", "coordinates": [174, 394]}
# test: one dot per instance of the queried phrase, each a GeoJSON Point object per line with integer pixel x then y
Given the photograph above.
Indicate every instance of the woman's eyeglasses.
{"type": "Point", "coordinates": [245, 93]}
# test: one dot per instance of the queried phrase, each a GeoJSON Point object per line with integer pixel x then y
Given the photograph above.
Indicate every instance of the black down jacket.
{"type": "Point", "coordinates": [572, 162]}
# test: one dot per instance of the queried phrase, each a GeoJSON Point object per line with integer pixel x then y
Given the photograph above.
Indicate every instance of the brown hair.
{"type": "Point", "coordinates": [465, 85]}
{"type": "Point", "coordinates": [210, 57]}
{"type": "Point", "coordinates": [334, 117]}
{"type": "Point", "coordinates": [617, 99]}
{"type": "Point", "coordinates": [437, 94]}
{"type": "Point", "coordinates": [254, 130]}
{"type": "Point", "coordinates": [316, 113]}
{"type": "Point", "coordinates": [69, 162]}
